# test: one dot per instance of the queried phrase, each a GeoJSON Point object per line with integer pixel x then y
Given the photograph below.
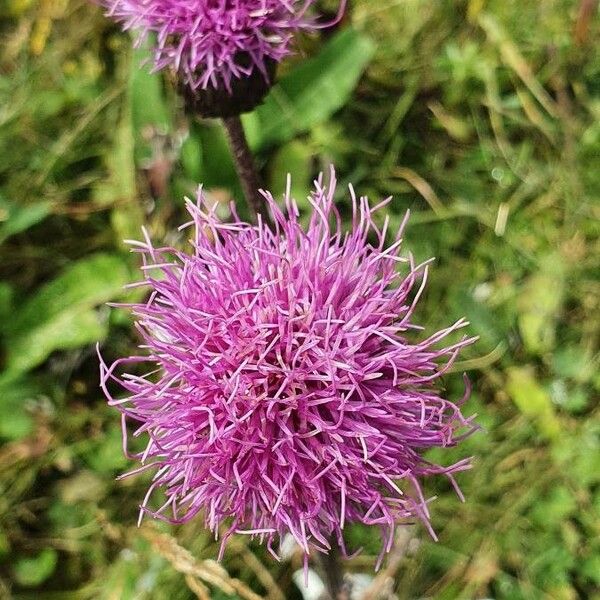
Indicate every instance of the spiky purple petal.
{"type": "Point", "coordinates": [211, 42]}
{"type": "Point", "coordinates": [285, 390]}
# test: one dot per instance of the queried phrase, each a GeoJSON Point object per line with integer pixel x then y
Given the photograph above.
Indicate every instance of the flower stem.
{"type": "Point", "coordinates": [333, 573]}
{"type": "Point", "coordinates": [244, 164]}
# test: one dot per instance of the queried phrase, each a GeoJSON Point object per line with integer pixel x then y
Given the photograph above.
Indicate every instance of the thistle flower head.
{"type": "Point", "coordinates": [284, 386]}
{"type": "Point", "coordinates": [212, 42]}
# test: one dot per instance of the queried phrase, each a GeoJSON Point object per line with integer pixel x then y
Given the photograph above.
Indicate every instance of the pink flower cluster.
{"type": "Point", "coordinates": [282, 383]}
{"type": "Point", "coordinates": [211, 42]}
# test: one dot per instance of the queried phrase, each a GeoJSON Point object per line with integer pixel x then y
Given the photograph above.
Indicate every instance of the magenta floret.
{"type": "Point", "coordinates": [211, 42]}
{"type": "Point", "coordinates": [287, 388]}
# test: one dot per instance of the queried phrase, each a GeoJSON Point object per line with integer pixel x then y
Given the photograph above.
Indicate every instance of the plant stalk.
{"type": "Point", "coordinates": [333, 573]}
{"type": "Point", "coordinates": [245, 166]}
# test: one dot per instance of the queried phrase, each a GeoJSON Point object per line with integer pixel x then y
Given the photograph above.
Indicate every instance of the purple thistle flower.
{"type": "Point", "coordinates": [211, 42]}
{"type": "Point", "coordinates": [285, 391]}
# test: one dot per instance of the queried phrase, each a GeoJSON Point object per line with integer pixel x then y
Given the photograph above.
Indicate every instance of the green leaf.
{"type": "Point", "coordinates": [207, 160]}
{"type": "Point", "coordinates": [591, 569]}
{"type": "Point", "coordinates": [4, 545]}
{"type": "Point", "coordinates": [106, 455]}
{"type": "Point", "coordinates": [6, 302]}
{"type": "Point", "coordinates": [89, 282]}
{"type": "Point", "coordinates": [15, 218]}
{"type": "Point", "coordinates": [551, 566]}
{"type": "Point", "coordinates": [31, 572]}
{"type": "Point", "coordinates": [539, 304]}
{"type": "Point", "coordinates": [569, 398]}
{"type": "Point", "coordinates": [61, 314]}
{"type": "Point", "coordinates": [555, 508]}
{"type": "Point", "coordinates": [579, 455]}
{"type": "Point", "coordinates": [532, 400]}
{"type": "Point", "coordinates": [15, 422]}
{"type": "Point", "coordinates": [487, 324]}
{"type": "Point", "coordinates": [218, 168]}
{"type": "Point", "coordinates": [191, 154]}
{"type": "Point", "coordinates": [573, 362]}
{"type": "Point", "coordinates": [149, 107]}
{"type": "Point", "coordinates": [311, 92]}
{"type": "Point", "coordinates": [66, 331]}
{"type": "Point", "coordinates": [295, 159]}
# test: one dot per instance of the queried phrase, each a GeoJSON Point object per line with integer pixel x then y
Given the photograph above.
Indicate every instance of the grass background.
{"type": "Point", "coordinates": [481, 116]}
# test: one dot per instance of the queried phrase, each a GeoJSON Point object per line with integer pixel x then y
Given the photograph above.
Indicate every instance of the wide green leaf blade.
{"type": "Point", "coordinates": [15, 218]}
{"type": "Point", "coordinates": [61, 314]}
{"type": "Point", "coordinates": [65, 331]}
{"type": "Point", "coordinates": [311, 92]}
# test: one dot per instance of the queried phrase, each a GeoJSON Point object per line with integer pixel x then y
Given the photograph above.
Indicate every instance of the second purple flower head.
{"type": "Point", "coordinates": [213, 42]}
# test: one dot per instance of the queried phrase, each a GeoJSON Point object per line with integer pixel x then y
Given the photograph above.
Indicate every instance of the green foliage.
{"type": "Point", "coordinates": [31, 572]}
{"type": "Point", "coordinates": [311, 92]}
{"type": "Point", "coordinates": [62, 314]}
{"type": "Point", "coordinates": [539, 304]}
{"type": "Point", "coordinates": [481, 117]}
{"type": "Point", "coordinates": [532, 400]}
{"type": "Point", "coordinates": [15, 218]}
{"type": "Point", "coordinates": [293, 160]}
{"type": "Point", "coordinates": [301, 100]}
{"type": "Point", "coordinates": [149, 109]}
{"type": "Point", "coordinates": [16, 422]}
